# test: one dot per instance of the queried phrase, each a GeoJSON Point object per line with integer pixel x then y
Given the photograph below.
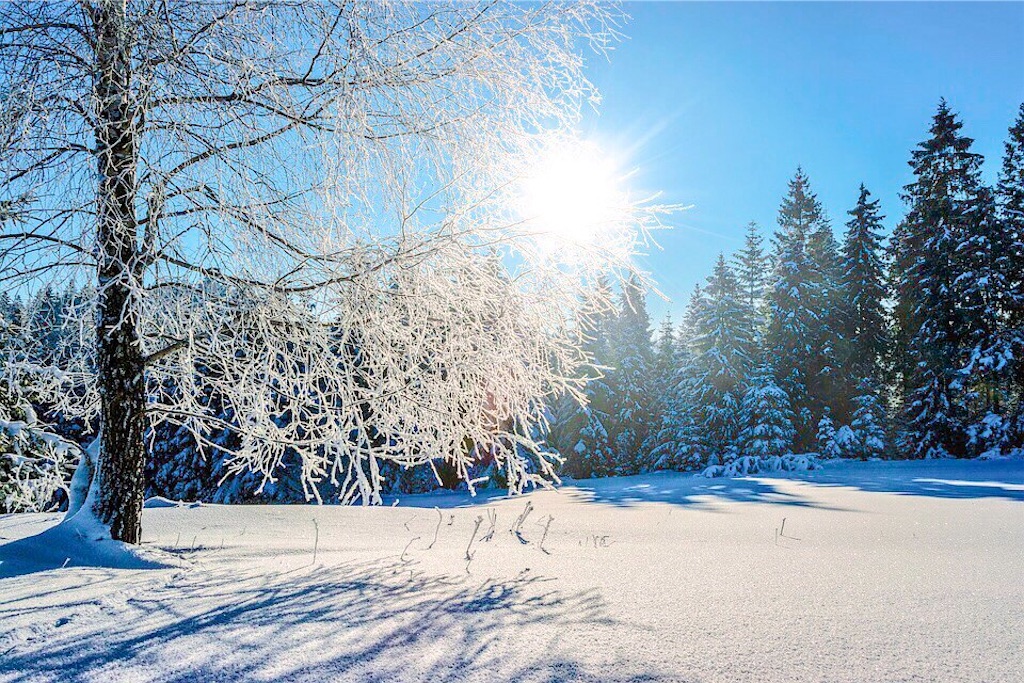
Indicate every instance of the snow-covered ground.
{"type": "Point", "coordinates": [881, 572]}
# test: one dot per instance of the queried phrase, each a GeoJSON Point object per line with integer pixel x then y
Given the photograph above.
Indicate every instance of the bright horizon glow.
{"type": "Point", "coordinates": [572, 194]}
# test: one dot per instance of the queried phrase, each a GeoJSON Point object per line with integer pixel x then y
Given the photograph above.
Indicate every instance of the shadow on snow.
{"type": "Point", "coordinates": [954, 479]}
{"type": "Point", "coordinates": [372, 621]}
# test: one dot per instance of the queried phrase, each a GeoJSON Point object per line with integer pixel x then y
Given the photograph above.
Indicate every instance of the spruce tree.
{"type": "Point", "coordinates": [723, 348]}
{"type": "Point", "coordinates": [672, 443]}
{"type": "Point", "coordinates": [827, 444]}
{"type": "Point", "coordinates": [982, 288]}
{"type": "Point", "coordinates": [631, 380]}
{"type": "Point", "coordinates": [793, 312]}
{"type": "Point", "coordinates": [828, 380]}
{"type": "Point", "coordinates": [585, 443]}
{"type": "Point", "coordinates": [766, 416]}
{"type": "Point", "coordinates": [931, 322]}
{"type": "Point", "coordinates": [751, 266]}
{"type": "Point", "coordinates": [864, 290]}
{"type": "Point", "coordinates": [1010, 211]}
{"type": "Point", "coordinates": [663, 374]}
{"type": "Point", "coordinates": [868, 422]}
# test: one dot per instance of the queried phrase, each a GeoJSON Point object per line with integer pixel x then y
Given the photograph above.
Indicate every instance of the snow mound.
{"type": "Point", "coordinates": [751, 464]}
{"type": "Point", "coordinates": [161, 502]}
{"type": "Point", "coordinates": [79, 541]}
{"type": "Point", "coordinates": [996, 454]}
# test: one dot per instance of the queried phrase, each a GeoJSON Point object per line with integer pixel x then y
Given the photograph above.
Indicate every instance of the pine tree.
{"type": "Point", "coordinates": [723, 347]}
{"type": "Point", "coordinates": [666, 350]}
{"type": "Point", "coordinates": [767, 417]}
{"type": "Point", "coordinates": [828, 381]}
{"type": "Point", "coordinates": [793, 294]}
{"type": "Point", "coordinates": [863, 277]}
{"type": "Point", "coordinates": [1010, 341]}
{"type": "Point", "coordinates": [931, 323]}
{"type": "Point", "coordinates": [982, 289]}
{"type": "Point", "coordinates": [663, 373]}
{"type": "Point", "coordinates": [584, 439]}
{"type": "Point", "coordinates": [868, 422]}
{"type": "Point", "coordinates": [631, 380]}
{"type": "Point", "coordinates": [671, 444]}
{"type": "Point", "coordinates": [751, 266]}
{"type": "Point", "coordinates": [827, 445]}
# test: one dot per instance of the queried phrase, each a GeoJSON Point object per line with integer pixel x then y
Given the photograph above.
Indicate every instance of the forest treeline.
{"type": "Point", "coordinates": [906, 346]}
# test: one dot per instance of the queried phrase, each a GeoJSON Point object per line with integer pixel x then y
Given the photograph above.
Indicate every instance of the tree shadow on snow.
{"type": "Point", "coordinates": [675, 488]}
{"type": "Point", "coordinates": [955, 479]}
{"type": "Point", "coordinates": [375, 621]}
{"type": "Point", "coordinates": [950, 479]}
{"type": "Point", "coordinates": [684, 490]}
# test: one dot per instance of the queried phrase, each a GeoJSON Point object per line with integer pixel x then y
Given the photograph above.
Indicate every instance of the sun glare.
{"type": "Point", "coordinates": [572, 194]}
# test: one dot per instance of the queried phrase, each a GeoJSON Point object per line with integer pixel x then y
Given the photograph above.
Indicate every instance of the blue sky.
{"type": "Point", "coordinates": [717, 103]}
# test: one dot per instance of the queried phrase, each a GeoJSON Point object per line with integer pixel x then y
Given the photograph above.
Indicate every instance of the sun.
{"type": "Point", "coordinates": [572, 194]}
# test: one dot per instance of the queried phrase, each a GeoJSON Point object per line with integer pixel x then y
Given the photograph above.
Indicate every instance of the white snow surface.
{"type": "Point", "coordinates": [882, 571]}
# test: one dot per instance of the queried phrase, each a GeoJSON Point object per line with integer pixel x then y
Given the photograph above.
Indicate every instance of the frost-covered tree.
{"type": "Point", "coordinates": [865, 328]}
{"type": "Point", "coordinates": [666, 357]}
{"type": "Point", "coordinates": [931, 323]}
{"type": "Point", "coordinates": [752, 274]}
{"type": "Point", "coordinates": [631, 380]}
{"type": "Point", "coordinates": [723, 348]}
{"type": "Point", "coordinates": [868, 424]}
{"type": "Point", "coordinates": [582, 431]}
{"type": "Point", "coordinates": [35, 462]}
{"type": "Point", "coordinates": [794, 295]}
{"type": "Point", "coordinates": [828, 379]}
{"type": "Point", "coordinates": [767, 417]}
{"type": "Point", "coordinates": [1010, 205]}
{"type": "Point", "coordinates": [240, 180]}
{"type": "Point", "coordinates": [827, 443]}
{"type": "Point", "coordinates": [670, 444]}
{"type": "Point", "coordinates": [664, 366]}
{"type": "Point", "coordinates": [983, 289]}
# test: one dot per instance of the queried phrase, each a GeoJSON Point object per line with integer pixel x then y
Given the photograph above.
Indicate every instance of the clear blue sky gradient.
{"type": "Point", "coordinates": [716, 104]}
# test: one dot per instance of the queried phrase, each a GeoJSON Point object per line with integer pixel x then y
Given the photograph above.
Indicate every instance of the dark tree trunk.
{"type": "Point", "coordinates": [120, 363]}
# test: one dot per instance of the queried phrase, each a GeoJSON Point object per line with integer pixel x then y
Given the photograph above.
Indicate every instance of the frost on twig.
{"type": "Point", "coordinates": [492, 517]}
{"type": "Point", "coordinates": [544, 536]}
{"type": "Point", "coordinates": [35, 463]}
{"type": "Point", "coordinates": [476, 527]}
{"type": "Point", "coordinates": [437, 530]}
{"type": "Point", "coordinates": [516, 529]}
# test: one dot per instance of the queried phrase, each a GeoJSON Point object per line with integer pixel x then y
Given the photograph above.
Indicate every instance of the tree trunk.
{"type": "Point", "coordinates": [120, 363]}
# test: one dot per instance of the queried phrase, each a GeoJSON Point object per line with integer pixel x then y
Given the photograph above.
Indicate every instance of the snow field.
{"type": "Point", "coordinates": [906, 571]}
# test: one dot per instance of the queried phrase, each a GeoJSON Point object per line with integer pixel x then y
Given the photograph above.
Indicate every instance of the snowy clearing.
{"type": "Point", "coordinates": [885, 571]}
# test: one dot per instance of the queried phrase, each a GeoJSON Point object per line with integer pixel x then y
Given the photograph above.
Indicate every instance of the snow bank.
{"type": "Point", "coordinates": [750, 464]}
{"type": "Point", "coordinates": [80, 541]}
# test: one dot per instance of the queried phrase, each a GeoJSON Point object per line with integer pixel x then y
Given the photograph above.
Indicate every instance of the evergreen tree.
{"type": "Point", "coordinates": [868, 422]}
{"type": "Point", "coordinates": [671, 444]}
{"type": "Point", "coordinates": [723, 347]}
{"type": "Point", "coordinates": [663, 373]}
{"type": "Point", "coordinates": [827, 444]}
{"type": "Point", "coordinates": [793, 295]}
{"type": "Point", "coordinates": [1010, 342]}
{"type": "Point", "coordinates": [931, 323]}
{"type": "Point", "coordinates": [583, 438]}
{"type": "Point", "coordinates": [863, 278]}
{"type": "Point", "coordinates": [767, 417]}
{"type": "Point", "coordinates": [631, 380]}
{"type": "Point", "coordinates": [666, 351]}
{"type": "Point", "coordinates": [982, 289]}
{"type": "Point", "coordinates": [828, 381]}
{"type": "Point", "coordinates": [751, 266]}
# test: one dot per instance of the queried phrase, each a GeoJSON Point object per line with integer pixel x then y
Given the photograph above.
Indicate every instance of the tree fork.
{"type": "Point", "coordinates": [120, 362]}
